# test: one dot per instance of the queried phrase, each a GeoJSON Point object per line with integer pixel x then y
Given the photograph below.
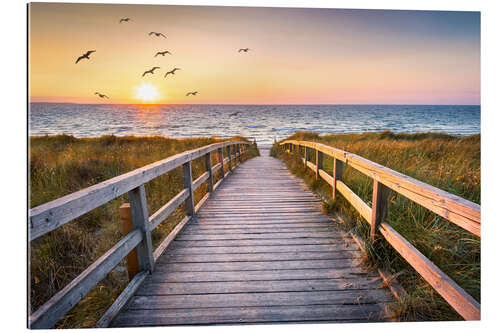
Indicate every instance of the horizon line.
{"type": "Point", "coordinates": [245, 104]}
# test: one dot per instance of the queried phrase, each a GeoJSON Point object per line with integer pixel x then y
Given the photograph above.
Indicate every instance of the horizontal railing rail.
{"type": "Point", "coordinates": [51, 215]}
{"type": "Point", "coordinates": [458, 210]}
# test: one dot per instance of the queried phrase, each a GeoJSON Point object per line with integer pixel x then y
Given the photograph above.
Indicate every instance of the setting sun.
{"type": "Point", "coordinates": [147, 92]}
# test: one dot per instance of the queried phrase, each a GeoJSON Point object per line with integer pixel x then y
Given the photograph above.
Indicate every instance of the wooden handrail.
{"type": "Point", "coordinates": [458, 210]}
{"type": "Point", "coordinates": [51, 215]}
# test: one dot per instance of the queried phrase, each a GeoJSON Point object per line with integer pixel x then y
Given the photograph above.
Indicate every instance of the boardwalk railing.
{"type": "Point", "coordinates": [51, 215]}
{"type": "Point", "coordinates": [462, 212]}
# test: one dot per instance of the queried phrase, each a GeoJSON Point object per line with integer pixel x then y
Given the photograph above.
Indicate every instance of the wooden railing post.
{"type": "Point", "coordinates": [306, 156]}
{"type": "Point", "coordinates": [187, 177]}
{"type": "Point", "coordinates": [380, 201]}
{"type": "Point", "coordinates": [140, 220]}
{"type": "Point", "coordinates": [319, 163]}
{"type": "Point", "coordinates": [228, 148]}
{"type": "Point", "coordinates": [220, 154]}
{"type": "Point", "coordinates": [127, 227]}
{"type": "Point", "coordinates": [338, 168]}
{"type": "Point", "coordinates": [208, 166]}
{"type": "Point", "coordinates": [233, 149]}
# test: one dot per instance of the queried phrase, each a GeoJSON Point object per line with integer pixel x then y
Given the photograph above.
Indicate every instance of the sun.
{"type": "Point", "coordinates": [146, 92]}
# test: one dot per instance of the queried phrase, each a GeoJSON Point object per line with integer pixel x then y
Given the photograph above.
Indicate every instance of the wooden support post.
{"type": "Point", "coordinates": [208, 166]}
{"type": "Point", "coordinates": [140, 220]}
{"type": "Point", "coordinates": [380, 201]}
{"type": "Point", "coordinates": [338, 168]}
{"type": "Point", "coordinates": [306, 156]}
{"type": "Point", "coordinates": [220, 154]}
{"type": "Point", "coordinates": [319, 163]}
{"type": "Point", "coordinates": [127, 227]}
{"type": "Point", "coordinates": [187, 177]}
{"type": "Point", "coordinates": [233, 149]}
{"type": "Point", "coordinates": [228, 148]}
{"type": "Point", "coordinates": [238, 149]}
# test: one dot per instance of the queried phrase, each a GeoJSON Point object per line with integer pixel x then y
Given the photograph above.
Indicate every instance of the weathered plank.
{"type": "Point", "coordinates": [325, 297]}
{"type": "Point", "coordinates": [264, 314]}
{"type": "Point", "coordinates": [57, 306]}
{"type": "Point", "coordinates": [183, 288]}
{"type": "Point", "coordinates": [161, 214]}
{"type": "Point", "coordinates": [459, 299]}
{"type": "Point", "coordinates": [121, 300]}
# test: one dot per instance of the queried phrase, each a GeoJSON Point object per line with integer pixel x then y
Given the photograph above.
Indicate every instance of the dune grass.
{"type": "Point", "coordinates": [59, 165]}
{"type": "Point", "coordinates": [447, 162]}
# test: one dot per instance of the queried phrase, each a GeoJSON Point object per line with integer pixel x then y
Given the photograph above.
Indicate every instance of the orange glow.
{"type": "Point", "coordinates": [146, 92]}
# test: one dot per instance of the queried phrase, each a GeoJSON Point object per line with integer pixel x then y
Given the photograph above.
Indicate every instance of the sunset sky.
{"type": "Point", "coordinates": [297, 56]}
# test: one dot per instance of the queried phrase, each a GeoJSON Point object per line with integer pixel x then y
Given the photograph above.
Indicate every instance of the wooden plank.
{"type": "Point", "coordinates": [121, 300]}
{"type": "Point", "coordinates": [458, 298]}
{"type": "Point", "coordinates": [53, 214]}
{"type": "Point", "coordinates": [208, 166]}
{"type": "Point", "coordinates": [187, 177]}
{"type": "Point", "coordinates": [257, 266]}
{"type": "Point", "coordinates": [204, 176]}
{"type": "Point", "coordinates": [140, 219]}
{"type": "Point", "coordinates": [265, 314]}
{"type": "Point", "coordinates": [269, 256]}
{"type": "Point", "coordinates": [161, 214]}
{"type": "Point", "coordinates": [220, 155]}
{"type": "Point", "coordinates": [363, 209]}
{"type": "Point", "coordinates": [326, 297]}
{"type": "Point", "coordinates": [333, 247]}
{"type": "Point", "coordinates": [338, 170]}
{"type": "Point", "coordinates": [255, 236]}
{"type": "Point", "coordinates": [56, 307]}
{"type": "Point", "coordinates": [380, 202]}
{"type": "Point", "coordinates": [187, 288]}
{"type": "Point", "coordinates": [319, 163]}
{"type": "Point", "coordinates": [166, 242]}
{"type": "Point", "coordinates": [269, 231]}
{"type": "Point", "coordinates": [257, 242]}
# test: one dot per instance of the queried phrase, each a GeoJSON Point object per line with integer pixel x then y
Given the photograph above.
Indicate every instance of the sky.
{"type": "Point", "coordinates": [297, 55]}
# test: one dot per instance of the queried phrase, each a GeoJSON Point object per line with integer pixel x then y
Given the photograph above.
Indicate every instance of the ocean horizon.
{"type": "Point", "coordinates": [262, 122]}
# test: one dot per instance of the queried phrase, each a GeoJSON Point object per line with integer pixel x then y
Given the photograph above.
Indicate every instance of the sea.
{"type": "Point", "coordinates": [262, 123]}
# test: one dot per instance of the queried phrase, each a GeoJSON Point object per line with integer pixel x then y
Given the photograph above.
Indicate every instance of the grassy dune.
{"type": "Point", "coordinates": [62, 164]}
{"type": "Point", "coordinates": [447, 162]}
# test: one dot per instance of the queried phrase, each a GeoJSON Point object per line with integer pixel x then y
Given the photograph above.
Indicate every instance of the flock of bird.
{"type": "Point", "coordinates": [87, 54]}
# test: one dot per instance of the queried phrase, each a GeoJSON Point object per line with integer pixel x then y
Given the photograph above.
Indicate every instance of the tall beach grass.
{"type": "Point", "coordinates": [447, 162]}
{"type": "Point", "coordinates": [59, 165]}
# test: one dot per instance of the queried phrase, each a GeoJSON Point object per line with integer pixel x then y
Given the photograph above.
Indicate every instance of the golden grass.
{"type": "Point", "coordinates": [63, 164]}
{"type": "Point", "coordinates": [447, 162]}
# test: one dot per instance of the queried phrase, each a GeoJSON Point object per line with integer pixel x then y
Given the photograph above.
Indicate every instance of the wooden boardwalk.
{"type": "Point", "coordinates": [259, 251]}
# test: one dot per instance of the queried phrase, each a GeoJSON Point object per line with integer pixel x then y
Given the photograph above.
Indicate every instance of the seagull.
{"type": "Point", "coordinates": [172, 71]}
{"type": "Point", "coordinates": [84, 56]}
{"type": "Point", "coordinates": [162, 53]}
{"type": "Point", "coordinates": [125, 19]}
{"type": "Point", "coordinates": [192, 93]}
{"type": "Point", "coordinates": [151, 71]}
{"type": "Point", "coordinates": [157, 34]}
{"type": "Point", "coordinates": [101, 95]}
{"type": "Point", "coordinates": [244, 50]}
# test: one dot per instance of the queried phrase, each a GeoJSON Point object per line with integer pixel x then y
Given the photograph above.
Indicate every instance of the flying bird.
{"type": "Point", "coordinates": [157, 34]}
{"type": "Point", "coordinates": [244, 50]}
{"type": "Point", "coordinates": [151, 71]}
{"type": "Point", "coordinates": [162, 53]}
{"type": "Point", "coordinates": [192, 93]}
{"type": "Point", "coordinates": [84, 56]}
{"type": "Point", "coordinates": [126, 19]}
{"type": "Point", "coordinates": [172, 71]}
{"type": "Point", "coordinates": [101, 95]}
